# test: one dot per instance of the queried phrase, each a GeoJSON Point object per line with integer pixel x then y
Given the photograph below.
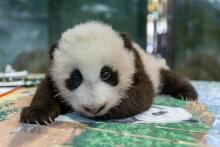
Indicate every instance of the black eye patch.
{"type": "Point", "coordinates": [75, 80]}
{"type": "Point", "coordinates": [109, 76]}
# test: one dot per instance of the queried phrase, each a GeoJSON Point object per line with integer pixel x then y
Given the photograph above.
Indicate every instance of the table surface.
{"type": "Point", "coordinates": [176, 134]}
{"type": "Point", "coordinates": [209, 94]}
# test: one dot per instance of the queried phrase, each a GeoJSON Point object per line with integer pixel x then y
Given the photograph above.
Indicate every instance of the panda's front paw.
{"type": "Point", "coordinates": [35, 115]}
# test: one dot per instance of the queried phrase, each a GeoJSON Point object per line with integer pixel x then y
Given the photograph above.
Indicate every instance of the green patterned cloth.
{"type": "Point", "coordinates": [185, 133]}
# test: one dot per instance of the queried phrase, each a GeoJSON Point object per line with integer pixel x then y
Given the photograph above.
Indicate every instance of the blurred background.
{"type": "Point", "coordinates": [185, 32]}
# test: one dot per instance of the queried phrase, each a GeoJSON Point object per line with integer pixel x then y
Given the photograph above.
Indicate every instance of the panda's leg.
{"type": "Point", "coordinates": [43, 108]}
{"type": "Point", "coordinates": [176, 85]}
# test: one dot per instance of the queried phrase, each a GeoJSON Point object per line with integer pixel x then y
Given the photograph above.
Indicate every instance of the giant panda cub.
{"type": "Point", "coordinates": [102, 74]}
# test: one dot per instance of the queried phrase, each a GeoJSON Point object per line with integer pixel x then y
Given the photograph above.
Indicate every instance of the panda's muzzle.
{"type": "Point", "coordinates": [94, 110]}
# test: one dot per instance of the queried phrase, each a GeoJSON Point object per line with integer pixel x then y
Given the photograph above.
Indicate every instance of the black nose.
{"type": "Point", "coordinates": [94, 110]}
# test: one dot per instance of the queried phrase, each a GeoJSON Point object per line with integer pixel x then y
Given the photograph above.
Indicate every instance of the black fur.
{"type": "Point", "coordinates": [75, 80]}
{"type": "Point", "coordinates": [113, 75]}
{"type": "Point", "coordinates": [127, 43]}
{"type": "Point", "coordinates": [45, 106]}
{"type": "Point", "coordinates": [177, 86]}
{"type": "Point", "coordinates": [52, 49]}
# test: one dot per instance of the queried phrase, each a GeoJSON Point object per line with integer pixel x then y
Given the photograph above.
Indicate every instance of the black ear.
{"type": "Point", "coordinates": [52, 49]}
{"type": "Point", "coordinates": [127, 42]}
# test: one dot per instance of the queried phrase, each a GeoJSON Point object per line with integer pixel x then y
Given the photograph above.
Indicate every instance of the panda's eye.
{"type": "Point", "coordinates": [77, 77]}
{"type": "Point", "coordinates": [109, 76]}
{"type": "Point", "coordinates": [106, 75]}
{"type": "Point", "coordinates": [75, 80]}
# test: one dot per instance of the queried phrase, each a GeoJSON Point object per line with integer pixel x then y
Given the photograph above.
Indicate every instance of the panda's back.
{"type": "Point", "coordinates": [152, 66]}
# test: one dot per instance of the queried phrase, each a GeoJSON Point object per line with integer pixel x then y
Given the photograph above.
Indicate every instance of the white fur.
{"type": "Point", "coordinates": [88, 47]}
{"type": "Point", "coordinates": [152, 66]}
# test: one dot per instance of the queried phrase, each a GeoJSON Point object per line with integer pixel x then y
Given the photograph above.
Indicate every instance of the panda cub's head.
{"type": "Point", "coordinates": [92, 68]}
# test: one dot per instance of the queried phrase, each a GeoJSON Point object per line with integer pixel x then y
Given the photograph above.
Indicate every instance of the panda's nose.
{"type": "Point", "coordinates": [94, 110]}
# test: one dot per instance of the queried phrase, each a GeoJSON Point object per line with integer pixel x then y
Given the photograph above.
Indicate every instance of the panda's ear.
{"type": "Point", "coordinates": [52, 50]}
{"type": "Point", "coordinates": [127, 42]}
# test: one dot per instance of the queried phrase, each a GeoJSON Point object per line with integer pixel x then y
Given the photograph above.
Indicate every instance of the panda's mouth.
{"type": "Point", "coordinates": [89, 114]}
{"type": "Point", "coordinates": [91, 111]}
